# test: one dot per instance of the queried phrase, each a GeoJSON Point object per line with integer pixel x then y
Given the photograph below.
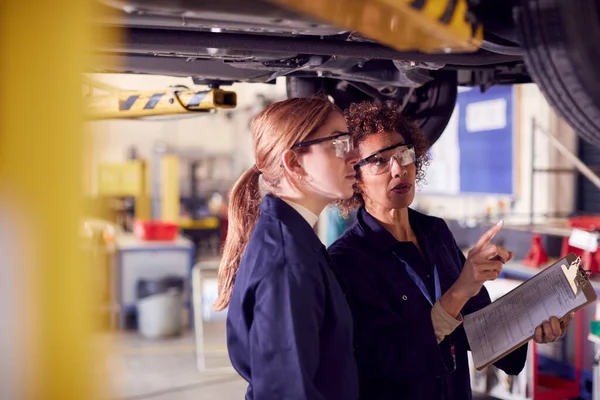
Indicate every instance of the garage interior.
{"type": "Point", "coordinates": [124, 130]}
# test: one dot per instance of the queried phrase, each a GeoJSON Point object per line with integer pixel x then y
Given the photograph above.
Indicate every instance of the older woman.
{"type": "Point", "coordinates": [407, 282]}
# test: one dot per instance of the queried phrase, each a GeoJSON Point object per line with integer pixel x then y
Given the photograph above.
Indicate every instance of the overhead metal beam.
{"type": "Point", "coordinates": [195, 44]}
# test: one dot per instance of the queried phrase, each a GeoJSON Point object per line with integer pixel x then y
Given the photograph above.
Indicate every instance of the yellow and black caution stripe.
{"type": "Point", "coordinates": [418, 4]}
{"type": "Point", "coordinates": [154, 103]}
{"type": "Point", "coordinates": [446, 17]}
{"type": "Point", "coordinates": [463, 17]}
{"type": "Point", "coordinates": [431, 26]}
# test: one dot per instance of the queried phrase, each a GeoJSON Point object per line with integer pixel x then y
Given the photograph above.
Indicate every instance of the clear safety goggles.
{"type": "Point", "coordinates": [381, 161]}
{"type": "Point", "coordinates": [342, 142]}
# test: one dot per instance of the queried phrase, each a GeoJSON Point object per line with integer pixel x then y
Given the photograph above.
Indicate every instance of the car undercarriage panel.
{"type": "Point", "coordinates": [175, 66]}
{"type": "Point", "coordinates": [248, 16]}
{"type": "Point", "coordinates": [258, 41]}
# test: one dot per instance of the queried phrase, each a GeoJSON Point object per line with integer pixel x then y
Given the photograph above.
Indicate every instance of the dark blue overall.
{"type": "Point", "coordinates": [391, 287]}
{"type": "Point", "coordinates": [289, 327]}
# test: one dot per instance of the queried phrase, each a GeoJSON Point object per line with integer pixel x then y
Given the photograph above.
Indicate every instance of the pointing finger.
{"type": "Point", "coordinates": [485, 239]}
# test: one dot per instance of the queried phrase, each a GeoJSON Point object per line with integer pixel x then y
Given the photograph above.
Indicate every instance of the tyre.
{"type": "Point", "coordinates": [430, 106]}
{"type": "Point", "coordinates": [560, 41]}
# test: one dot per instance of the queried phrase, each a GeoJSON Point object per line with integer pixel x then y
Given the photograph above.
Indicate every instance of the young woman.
{"type": "Point", "coordinates": [407, 282]}
{"type": "Point", "coordinates": [289, 328]}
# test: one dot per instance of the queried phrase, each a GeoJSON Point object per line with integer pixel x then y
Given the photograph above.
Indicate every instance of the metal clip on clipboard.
{"type": "Point", "coordinates": [577, 276]}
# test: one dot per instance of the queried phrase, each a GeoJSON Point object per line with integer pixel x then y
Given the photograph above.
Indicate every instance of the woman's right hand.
{"type": "Point", "coordinates": [484, 263]}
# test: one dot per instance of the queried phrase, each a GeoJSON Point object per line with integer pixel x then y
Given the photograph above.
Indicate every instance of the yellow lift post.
{"type": "Point", "coordinates": [139, 104]}
{"type": "Point", "coordinates": [47, 348]}
{"type": "Point", "coordinates": [431, 26]}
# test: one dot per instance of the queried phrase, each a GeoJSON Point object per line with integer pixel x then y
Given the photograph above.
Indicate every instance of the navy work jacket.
{"type": "Point", "coordinates": [396, 348]}
{"type": "Point", "coordinates": [289, 327]}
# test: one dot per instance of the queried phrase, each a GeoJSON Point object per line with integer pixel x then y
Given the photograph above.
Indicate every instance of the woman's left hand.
{"type": "Point", "coordinates": [552, 330]}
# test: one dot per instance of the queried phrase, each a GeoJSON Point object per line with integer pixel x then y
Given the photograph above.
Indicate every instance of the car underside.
{"type": "Point", "coordinates": [218, 43]}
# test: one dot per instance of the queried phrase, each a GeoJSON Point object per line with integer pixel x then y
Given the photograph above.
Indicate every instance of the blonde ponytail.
{"type": "Point", "coordinates": [242, 215]}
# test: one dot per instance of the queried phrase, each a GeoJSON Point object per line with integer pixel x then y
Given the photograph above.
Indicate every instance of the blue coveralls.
{"type": "Point", "coordinates": [289, 327]}
{"type": "Point", "coordinates": [397, 352]}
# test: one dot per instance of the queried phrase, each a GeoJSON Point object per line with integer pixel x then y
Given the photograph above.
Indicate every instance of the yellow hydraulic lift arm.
{"type": "Point", "coordinates": [177, 100]}
{"type": "Point", "coordinates": [431, 26]}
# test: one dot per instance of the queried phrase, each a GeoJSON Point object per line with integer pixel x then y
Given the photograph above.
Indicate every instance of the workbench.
{"type": "Point", "coordinates": [134, 259]}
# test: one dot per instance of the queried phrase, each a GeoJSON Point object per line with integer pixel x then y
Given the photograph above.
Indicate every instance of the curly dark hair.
{"type": "Point", "coordinates": [370, 118]}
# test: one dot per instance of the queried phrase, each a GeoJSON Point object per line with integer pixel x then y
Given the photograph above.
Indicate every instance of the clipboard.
{"type": "Point", "coordinates": [509, 322]}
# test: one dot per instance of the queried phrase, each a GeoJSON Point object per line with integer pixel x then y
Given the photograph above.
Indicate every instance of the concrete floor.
{"type": "Point", "coordinates": [140, 369]}
{"type": "Point", "coordinates": [166, 369]}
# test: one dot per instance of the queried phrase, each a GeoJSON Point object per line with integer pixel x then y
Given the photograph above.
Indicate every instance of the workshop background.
{"type": "Point", "coordinates": [134, 319]}
{"type": "Point", "coordinates": [483, 168]}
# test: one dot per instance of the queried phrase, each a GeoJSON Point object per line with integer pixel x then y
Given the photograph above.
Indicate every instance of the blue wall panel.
{"type": "Point", "coordinates": [485, 139]}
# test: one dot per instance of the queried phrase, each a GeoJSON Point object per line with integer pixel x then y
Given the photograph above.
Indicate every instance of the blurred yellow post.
{"type": "Point", "coordinates": [143, 209]}
{"type": "Point", "coordinates": [169, 184]}
{"type": "Point", "coordinates": [43, 51]}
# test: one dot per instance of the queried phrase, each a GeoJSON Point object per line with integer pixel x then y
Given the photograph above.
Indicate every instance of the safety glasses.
{"type": "Point", "coordinates": [381, 161]}
{"type": "Point", "coordinates": [341, 142]}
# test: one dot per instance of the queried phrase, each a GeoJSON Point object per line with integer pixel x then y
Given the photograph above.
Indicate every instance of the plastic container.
{"type": "Point", "coordinates": [155, 230]}
{"type": "Point", "coordinates": [150, 287]}
{"type": "Point", "coordinates": [159, 307]}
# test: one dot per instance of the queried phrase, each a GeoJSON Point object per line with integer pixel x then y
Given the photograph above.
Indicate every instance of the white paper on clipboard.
{"type": "Point", "coordinates": [511, 320]}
